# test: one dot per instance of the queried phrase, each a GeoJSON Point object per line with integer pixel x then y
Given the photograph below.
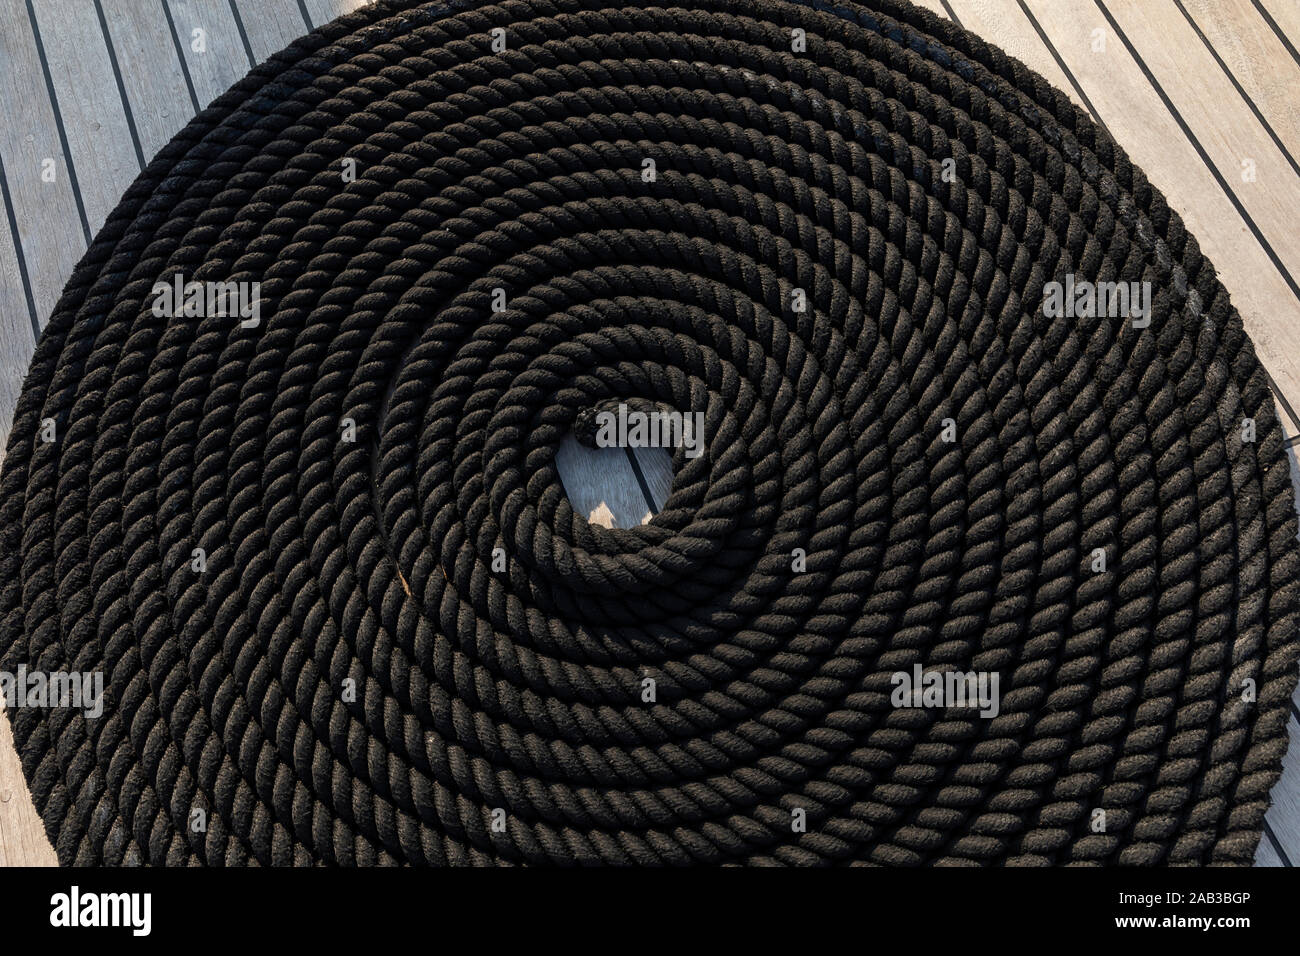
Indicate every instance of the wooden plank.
{"type": "Point", "coordinates": [216, 56]}
{"type": "Point", "coordinates": [152, 75]}
{"type": "Point", "coordinates": [51, 224]}
{"type": "Point", "coordinates": [601, 485]}
{"type": "Point", "coordinates": [656, 466]}
{"type": "Point", "coordinates": [270, 25]}
{"type": "Point", "coordinates": [322, 12]}
{"type": "Point", "coordinates": [100, 139]}
{"type": "Point", "coordinates": [1266, 855]}
{"type": "Point", "coordinates": [17, 338]}
{"type": "Point", "coordinates": [1284, 815]}
{"type": "Point", "coordinates": [22, 834]}
{"type": "Point", "coordinates": [1258, 60]}
{"type": "Point", "coordinates": [1283, 17]}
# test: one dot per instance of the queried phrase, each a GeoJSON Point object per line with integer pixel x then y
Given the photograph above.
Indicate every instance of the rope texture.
{"type": "Point", "coordinates": [475, 690]}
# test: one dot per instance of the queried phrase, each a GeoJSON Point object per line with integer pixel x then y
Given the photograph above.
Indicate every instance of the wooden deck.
{"type": "Point", "coordinates": [1204, 95]}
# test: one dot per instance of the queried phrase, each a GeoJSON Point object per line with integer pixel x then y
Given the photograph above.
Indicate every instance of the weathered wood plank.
{"type": "Point", "coordinates": [656, 466]}
{"type": "Point", "coordinates": [323, 11]}
{"type": "Point", "coordinates": [1257, 58]}
{"type": "Point", "coordinates": [152, 74]}
{"type": "Point", "coordinates": [1284, 15]}
{"type": "Point", "coordinates": [1284, 816]}
{"type": "Point", "coordinates": [22, 834]}
{"type": "Point", "coordinates": [1266, 855]}
{"type": "Point", "coordinates": [17, 338]}
{"type": "Point", "coordinates": [210, 41]}
{"type": "Point", "coordinates": [271, 25]}
{"type": "Point", "coordinates": [51, 225]}
{"type": "Point", "coordinates": [100, 139]}
{"type": "Point", "coordinates": [601, 485]}
{"type": "Point", "coordinates": [1252, 167]}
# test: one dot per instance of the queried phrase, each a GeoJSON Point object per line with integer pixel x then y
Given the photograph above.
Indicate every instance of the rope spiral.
{"type": "Point", "coordinates": [920, 188]}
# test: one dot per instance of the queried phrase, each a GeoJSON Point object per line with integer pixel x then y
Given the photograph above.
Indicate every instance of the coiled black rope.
{"type": "Point", "coordinates": [353, 674]}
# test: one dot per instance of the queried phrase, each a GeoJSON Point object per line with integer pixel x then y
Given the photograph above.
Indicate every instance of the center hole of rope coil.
{"type": "Point", "coordinates": [614, 483]}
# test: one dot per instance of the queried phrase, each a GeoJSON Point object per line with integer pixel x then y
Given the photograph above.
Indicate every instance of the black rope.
{"type": "Point", "coordinates": [407, 647]}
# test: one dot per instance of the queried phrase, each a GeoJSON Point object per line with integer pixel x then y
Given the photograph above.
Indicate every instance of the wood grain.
{"type": "Point", "coordinates": [1284, 815]}
{"type": "Point", "coordinates": [152, 75]}
{"type": "Point", "coordinates": [323, 11]}
{"type": "Point", "coordinates": [22, 835]}
{"type": "Point", "coordinates": [100, 140]}
{"type": "Point", "coordinates": [1267, 855]}
{"type": "Point", "coordinates": [1285, 14]}
{"type": "Point", "coordinates": [656, 466]}
{"type": "Point", "coordinates": [50, 226]}
{"type": "Point", "coordinates": [1257, 58]}
{"type": "Point", "coordinates": [271, 25]}
{"type": "Point", "coordinates": [601, 485]}
{"type": "Point", "coordinates": [223, 61]}
{"type": "Point", "coordinates": [17, 337]}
